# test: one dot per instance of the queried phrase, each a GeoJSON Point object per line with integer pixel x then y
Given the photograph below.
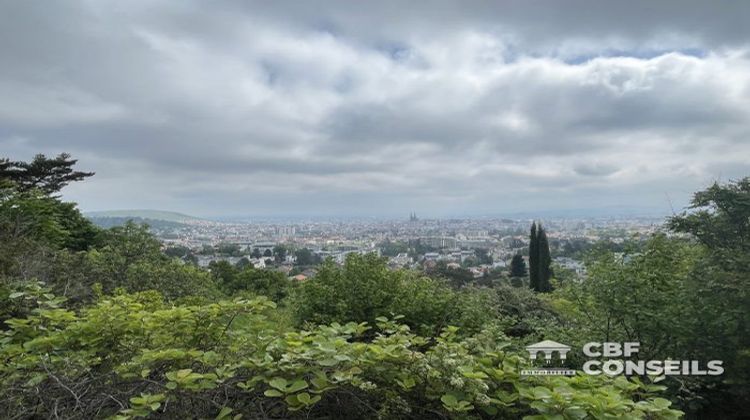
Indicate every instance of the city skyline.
{"type": "Point", "coordinates": [234, 109]}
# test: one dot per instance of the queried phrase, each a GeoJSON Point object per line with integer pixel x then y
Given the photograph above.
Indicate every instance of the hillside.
{"type": "Point", "coordinates": [158, 215]}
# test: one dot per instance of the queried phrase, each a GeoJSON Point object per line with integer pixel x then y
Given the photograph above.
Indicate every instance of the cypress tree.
{"type": "Point", "coordinates": [540, 259]}
{"type": "Point", "coordinates": [545, 259]}
{"type": "Point", "coordinates": [534, 258]}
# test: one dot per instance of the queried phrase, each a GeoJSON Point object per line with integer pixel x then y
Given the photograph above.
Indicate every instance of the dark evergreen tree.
{"type": "Point", "coordinates": [545, 271]}
{"type": "Point", "coordinates": [534, 258]}
{"type": "Point", "coordinates": [49, 175]}
{"type": "Point", "coordinates": [517, 266]}
{"type": "Point", "coordinates": [540, 259]}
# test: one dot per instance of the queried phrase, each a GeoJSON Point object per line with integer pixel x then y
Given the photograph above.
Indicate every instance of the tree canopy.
{"type": "Point", "coordinates": [49, 175]}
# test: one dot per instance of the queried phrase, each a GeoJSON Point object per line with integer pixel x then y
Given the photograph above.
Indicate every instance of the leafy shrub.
{"type": "Point", "coordinates": [364, 288]}
{"type": "Point", "coordinates": [133, 355]}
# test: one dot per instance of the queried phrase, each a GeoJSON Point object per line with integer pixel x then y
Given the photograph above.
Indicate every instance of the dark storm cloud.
{"type": "Point", "coordinates": [366, 108]}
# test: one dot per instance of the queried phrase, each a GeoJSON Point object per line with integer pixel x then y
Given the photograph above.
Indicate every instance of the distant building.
{"type": "Point", "coordinates": [571, 264]}
{"type": "Point", "coordinates": [205, 260]}
{"type": "Point", "coordinates": [285, 268]}
{"type": "Point", "coordinates": [400, 260]}
{"type": "Point", "coordinates": [259, 263]}
{"type": "Point", "coordinates": [477, 243]}
{"type": "Point", "coordinates": [439, 242]}
{"type": "Point", "coordinates": [264, 245]}
{"type": "Point", "coordinates": [286, 231]}
{"type": "Point", "coordinates": [299, 277]}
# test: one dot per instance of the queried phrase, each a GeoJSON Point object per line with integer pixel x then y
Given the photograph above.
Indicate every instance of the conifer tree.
{"type": "Point", "coordinates": [517, 266]}
{"type": "Point", "coordinates": [49, 175]}
{"type": "Point", "coordinates": [545, 259]}
{"type": "Point", "coordinates": [539, 259]}
{"type": "Point", "coordinates": [534, 258]}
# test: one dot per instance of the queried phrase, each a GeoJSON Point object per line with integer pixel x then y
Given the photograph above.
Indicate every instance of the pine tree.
{"type": "Point", "coordinates": [49, 175]}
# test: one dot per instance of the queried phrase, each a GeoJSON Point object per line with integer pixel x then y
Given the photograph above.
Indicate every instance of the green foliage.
{"type": "Point", "coordinates": [280, 252]}
{"type": "Point", "coordinates": [540, 272]}
{"type": "Point", "coordinates": [676, 301]}
{"type": "Point", "coordinates": [457, 277]}
{"type": "Point", "coordinates": [33, 216]}
{"type": "Point", "coordinates": [483, 256]}
{"type": "Point", "coordinates": [102, 323]}
{"type": "Point", "coordinates": [228, 249]}
{"type": "Point", "coordinates": [534, 258]}
{"type": "Point", "coordinates": [517, 266]}
{"type": "Point", "coordinates": [306, 257]}
{"type": "Point", "coordinates": [717, 298]}
{"type": "Point", "coordinates": [365, 289]}
{"type": "Point", "coordinates": [720, 217]}
{"type": "Point", "coordinates": [33, 227]}
{"type": "Point", "coordinates": [391, 249]}
{"type": "Point", "coordinates": [133, 355]}
{"type": "Point", "coordinates": [634, 297]}
{"type": "Point", "coordinates": [48, 175]}
{"type": "Point", "coordinates": [232, 280]}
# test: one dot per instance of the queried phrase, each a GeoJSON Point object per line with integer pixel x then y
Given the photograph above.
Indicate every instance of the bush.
{"type": "Point", "coordinates": [132, 355]}
{"type": "Point", "coordinates": [364, 288]}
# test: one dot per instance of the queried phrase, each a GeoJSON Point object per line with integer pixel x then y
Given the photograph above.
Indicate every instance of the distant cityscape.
{"type": "Point", "coordinates": [481, 246]}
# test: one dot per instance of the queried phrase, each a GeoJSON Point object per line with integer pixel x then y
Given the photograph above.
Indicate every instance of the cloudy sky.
{"type": "Point", "coordinates": [377, 109]}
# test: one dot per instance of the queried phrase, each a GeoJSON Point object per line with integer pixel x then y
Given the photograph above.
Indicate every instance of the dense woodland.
{"type": "Point", "coordinates": [101, 323]}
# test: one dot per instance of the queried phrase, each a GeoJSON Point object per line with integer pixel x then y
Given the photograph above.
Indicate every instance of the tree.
{"type": "Point", "coordinates": [534, 258]}
{"type": "Point", "coordinates": [34, 225]}
{"type": "Point", "coordinates": [256, 253]}
{"type": "Point", "coordinates": [545, 261]}
{"type": "Point", "coordinates": [457, 276]}
{"type": "Point", "coordinates": [719, 287]}
{"type": "Point", "coordinates": [267, 253]}
{"type": "Point", "coordinates": [540, 259]}
{"type": "Point", "coordinates": [391, 249]}
{"type": "Point", "coordinates": [223, 272]}
{"type": "Point", "coordinates": [517, 266]}
{"type": "Point", "coordinates": [280, 252]}
{"type": "Point", "coordinates": [243, 263]}
{"type": "Point", "coordinates": [272, 284]}
{"type": "Point", "coordinates": [304, 257]}
{"type": "Point", "coordinates": [365, 289]}
{"type": "Point", "coordinates": [49, 175]}
{"type": "Point", "coordinates": [230, 249]}
{"type": "Point", "coordinates": [483, 256]}
{"type": "Point", "coordinates": [720, 218]}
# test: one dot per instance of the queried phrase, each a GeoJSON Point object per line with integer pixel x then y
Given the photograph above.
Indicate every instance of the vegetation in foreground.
{"type": "Point", "coordinates": [102, 324]}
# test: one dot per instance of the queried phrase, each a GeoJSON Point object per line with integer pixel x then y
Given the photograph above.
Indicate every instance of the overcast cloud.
{"type": "Point", "coordinates": [380, 108]}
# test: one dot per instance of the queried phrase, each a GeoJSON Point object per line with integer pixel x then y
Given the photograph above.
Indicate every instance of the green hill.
{"type": "Point", "coordinates": [166, 216]}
